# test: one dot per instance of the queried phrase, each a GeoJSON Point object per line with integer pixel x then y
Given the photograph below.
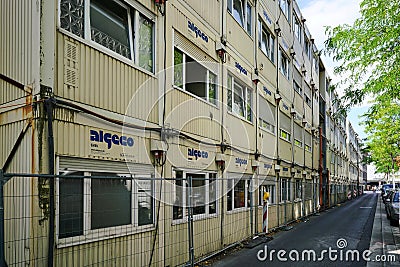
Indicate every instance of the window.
{"type": "Point", "coordinates": [239, 194]}
{"type": "Point", "coordinates": [308, 189]}
{"type": "Point", "coordinates": [307, 148]}
{"type": "Point", "coordinates": [298, 188]}
{"type": "Point", "coordinates": [115, 25]}
{"type": "Point", "coordinates": [194, 78]}
{"type": "Point", "coordinates": [266, 188]}
{"type": "Point", "coordinates": [204, 194]}
{"type": "Point", "coordinates": [241, 11]}
{"type": "Point", "coordinates": [297, 88]}
{"type": "Point", "coordinates": [307, 99]}
{"type": "Point", "coordinates": [267, 115]}
{"type": "Point", "coordinates": [266, 41]}
{"type": "Point", "coordinates": [285, 135]}
{"type": "Point", "coordinates": [283, 63]}
{"type": "Point", "coordinates": [110, 204]}
{"type": "Point", "coordinates": [297, 28]}
{"type": "Point", "coordinates": [240, 99]}
{"type": "Point", "coordinates": [285, 189]}
{"type": "Point", "coordinates": [315, 63]}
{"type": "Point", "coordinates": [307, 47]}
{"type": "Point", "coordinates": [298, 143]}
{"type": "Point", "coordinates": [284, 5]}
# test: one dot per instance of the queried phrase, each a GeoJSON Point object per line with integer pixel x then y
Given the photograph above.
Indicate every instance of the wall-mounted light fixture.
{"type": "Point", "coordinates": [220, 161]}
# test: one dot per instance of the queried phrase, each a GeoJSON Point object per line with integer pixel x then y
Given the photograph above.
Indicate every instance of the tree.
{"type": "Point", "coordinates": [368, 53]}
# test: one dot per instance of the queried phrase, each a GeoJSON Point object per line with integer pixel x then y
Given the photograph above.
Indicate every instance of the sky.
{"type": "Point", "coordinates": [321, 13]}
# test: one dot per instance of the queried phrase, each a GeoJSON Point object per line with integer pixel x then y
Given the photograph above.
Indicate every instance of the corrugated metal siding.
{"type": "Point", "coordinates": [103, 81]}
{"type": "Point", "coordinates": [18, 52]}
{"type": "Point", "coordinates": [209, 10]}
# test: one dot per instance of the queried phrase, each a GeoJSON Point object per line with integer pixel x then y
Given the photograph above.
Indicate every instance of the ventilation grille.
{"type": "Point", "coordinates": [70, 65]}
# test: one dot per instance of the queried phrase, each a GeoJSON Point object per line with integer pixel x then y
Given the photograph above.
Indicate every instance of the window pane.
{"type": "Point", "coordinates": [71, 16]}
{"type": "Point", "coordinates": [109, 26]}
{"type": "Point", "coordinates": [178, 68]}
{"type": "Point", "coordinates": [238, 100]}
{"type": "Point", "coordinates": [229, 196]}
{"type": "Point", "coordinates": [212, 91]}
{"type": "Point", "coordinates": [145, 202]}
{"type": "Point", "coordinates": [249, 103]}
{"type": "Point", "coordinates": [198, 193]}
{"type": "Point", "coordinates": [238, 11]}
{"type": "Point", "coordinates": [195, 80]}
{"type": "Point", "coordinates": [239, 194]}
{"type": "Point", "coordinates": [145, 43]}
{"type": "Point", "coordinates": [111, 201]}
{"type": "Point", "coordinates": [248, 19]}
{"type": "Point", "coordinates": [71, 206]}
{"type": "Point", "coordinates": [178, 203]}
{"type": "Point", "coordinates": [212, 189]}
{"type": "Point", "coordinates": [230, 93]}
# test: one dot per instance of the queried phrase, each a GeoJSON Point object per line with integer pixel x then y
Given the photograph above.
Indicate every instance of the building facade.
{"type": "Point", "coordinates": [143, 109]}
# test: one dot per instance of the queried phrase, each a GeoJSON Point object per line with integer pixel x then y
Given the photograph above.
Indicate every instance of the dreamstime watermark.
{"type": "Point", "coordinates": [340, 253]}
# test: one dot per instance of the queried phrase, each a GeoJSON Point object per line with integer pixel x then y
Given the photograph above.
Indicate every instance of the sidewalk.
{"type": "Point", "coordinates": [384, 238]}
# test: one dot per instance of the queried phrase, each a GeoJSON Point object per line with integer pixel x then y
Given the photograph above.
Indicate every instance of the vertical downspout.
{"type": "Point", "coordinates": [50, 140]}
{"type": "Point", "coordinates": [223, 9]}
{"type": "Point", "coordinates": [2, 247]}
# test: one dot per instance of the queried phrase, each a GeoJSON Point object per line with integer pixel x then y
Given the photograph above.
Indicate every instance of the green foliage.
{"type": "Point", "coordinates": [368, 53]}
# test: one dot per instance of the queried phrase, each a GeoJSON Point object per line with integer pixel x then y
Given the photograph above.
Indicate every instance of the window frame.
{"type": "Point", "coordinates": [270, 188]}
{"type": "Point", "coordinates": [283, 56]}
{"type": "Point", "coordinates": [270, 38]}
{"type": "Point", "coordinates": [245, 92]}
{"type": "Point", "coordinates": [284, 6]}
{"type": "Point", "coordinates": [207, 213]}
{"type": "Point", "coordinates": [297, 88]}
{"type": "Point", "coordinates": [184, 71]}
{"type": "Point", "coordinates": [286, 188]}
{"type": "Point", "coordinates": [246, 6]}
{"type": "Point", "coordinates": [133, 7]}
{"type": "Point", "coordinates": [297, 29]}
{"type": "Point", "coordinates": [90, 235]}
{"type": "Point", "coordinates": [298, 189]}
{"type": "Point", "coordinates": [298, 143]}
{"type": "Point", "coordinates": [231, 190]}
{"type": "Point", "coordinates": [282, 134]}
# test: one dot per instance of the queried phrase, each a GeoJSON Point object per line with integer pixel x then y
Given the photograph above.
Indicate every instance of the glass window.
{"type": "Point", "coordinates": [285, 189]}
{"type": "Point", "coordinates": [284, 5]}
{"type": "Point", "coordinates": [298, 143]}
{"type": "Point", "coordinates": [297, 28]}
{"type": "Point", "coordinates": [266, 188]}
{"type": "Point", "coordinates": [113, 201]}
{"type": "Point", "coordinates": [240, 99]}
{"type": "Point", "coordinates": [266, 41]}
{"type": "Point", "coordinates": [241, 11]}
{"type": "Point", "coordinates": [297, 88]}
{"type": "Point", "coordinates": [307, 47]}
{"type": "Point", "coordinates": [112, 24]}
{"type": "Point", "coordinates": [194, 78]}
{"type": "Point", "coordinates": [298, 189]}
{"type": "Point", "coordinates": [71, 206]}
{"type": "Point", "coordinates": [239, 193]}
{"type": "Point", "coordinates": [204, 194]}
{"type": "Point", "coordinates": [283, 63]}
{"type": "Point", "coordinates": [285, 135]}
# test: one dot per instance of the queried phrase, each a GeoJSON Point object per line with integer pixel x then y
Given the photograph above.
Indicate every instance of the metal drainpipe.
{"type": "Point", "coordinates": [252, 209]}
{"type": "Point", "coordinates": [2, 254]}
{"type": "Point", "coordinates": [50, 140]}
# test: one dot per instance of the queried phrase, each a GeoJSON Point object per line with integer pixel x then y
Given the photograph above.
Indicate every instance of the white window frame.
{"type": "Point", "coordinates": [297, 30]}
{"type": "Point", "coordinates": [284, 5]}
{"type": "Point", "coordinates": [297, 88]}
{"type": "Point", "coordinates": [184, 70]}
{"type": "Point", "coordinates": [271, 189]}
{"type": "Point", "coordinates": [284, 60]}
{"type": "Point", "coordinates": [287, 189]}
{"type": "Point", "coordinates": [207, 213]}
{"type": "Point", "coordinates": [270, 40]}
{"type": "Point", "coordinates": [298, 143]}
{"type": "Point", "coordinates": [231, 189]}
{"type": "Point", "coordinates": [245, 15]}
{"type": "Point", "coordinates": [307, 148]}
{"type": "Point", "coordinates": [267, 126]}
{"type": "Point", "coordinates": [90, 235]}
{"type": "Point", "coordinates": [246, 90]}
{"type": "Point", "coordinates": [298, 189]}
{"type": "Point", "coordinates": [282, 134]}
{"type": "Point", "coordinates": [131, 7]}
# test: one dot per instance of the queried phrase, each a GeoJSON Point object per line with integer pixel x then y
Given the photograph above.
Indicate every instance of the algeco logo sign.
{"type": "Point", "coordinates": [197, 154]}
{"type": "Point", "coordinates": [110, 139]}
{"type": "Point", "coordinates": [197, 31]}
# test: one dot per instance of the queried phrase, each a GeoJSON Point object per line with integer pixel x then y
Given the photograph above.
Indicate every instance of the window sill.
{"type": "Point", "coordinates": [283, 139]}
{"type": "Point", "coordinates": [238, 210]}
{"type": "Point", "coordinates": [96, 235]}
{"type": "Point", "coordinates": [249, 35]}
{"type": "Point", "coordinates": [266, 130]}
{"type": "Point", "coordinates": [106, 51]}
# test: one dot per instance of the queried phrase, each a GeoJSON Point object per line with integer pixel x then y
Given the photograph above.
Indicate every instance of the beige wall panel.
{"type": "Point", "coordinates": [240, 133]}
{"type": "Point", "coordinates": [105, 82]}
{"type": "Point", "coordinates": [268, 71]}
{"type": "Point", "coordinates": [209, 10]}
{"type": "Point", "coordinates": [285, 88]}
{"type": "Point", "coordinates": [206, 234]}
{"type": "Point", "coordinates": [285, 150]}
{"type": "Point", "coordinates": [308, 160]}
{"type": "Point", "coordinates": [298, 103]}
{"type": "Point", "coordinates": [298, 155]}
{"type": "Point", "coordinates": [236, 226]}
{"type": "Point", "coordinates": [192, 115]}
{"type": "Point", "coordinates": [131, 250]}
{"type": "Point", "coordinates": [19, 46]}
{"type": "Point", "coordinates": [272, 218]}
{"type": "Point", "coordinates": [238, 38]}
{"type": "Point", "coordinates": [177, 245]}
{"type": "Point", "coordinates": [268, 143]}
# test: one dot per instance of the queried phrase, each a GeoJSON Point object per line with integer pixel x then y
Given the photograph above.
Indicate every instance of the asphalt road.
{"type": "Point", "coordinates": [340, 231]}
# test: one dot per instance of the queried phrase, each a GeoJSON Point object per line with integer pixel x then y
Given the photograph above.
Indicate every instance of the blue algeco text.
{"type": "Point", "coordinates": [110, 139]}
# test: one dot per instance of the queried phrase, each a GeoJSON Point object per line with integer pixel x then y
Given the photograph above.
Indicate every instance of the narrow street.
{"type": "Point", "coordinates": [351, 223]}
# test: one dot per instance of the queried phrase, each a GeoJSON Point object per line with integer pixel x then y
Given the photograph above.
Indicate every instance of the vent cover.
{"type": "Point", "coordinates": [70, 65]}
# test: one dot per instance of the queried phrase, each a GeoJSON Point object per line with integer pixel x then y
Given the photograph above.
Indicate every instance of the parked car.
{"type": "Point", "coordinates": [393, 205]}
{"type": "Point", "coordinates": [386, 200]}
{"type": "Point", "coordinates": [385, 189]}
